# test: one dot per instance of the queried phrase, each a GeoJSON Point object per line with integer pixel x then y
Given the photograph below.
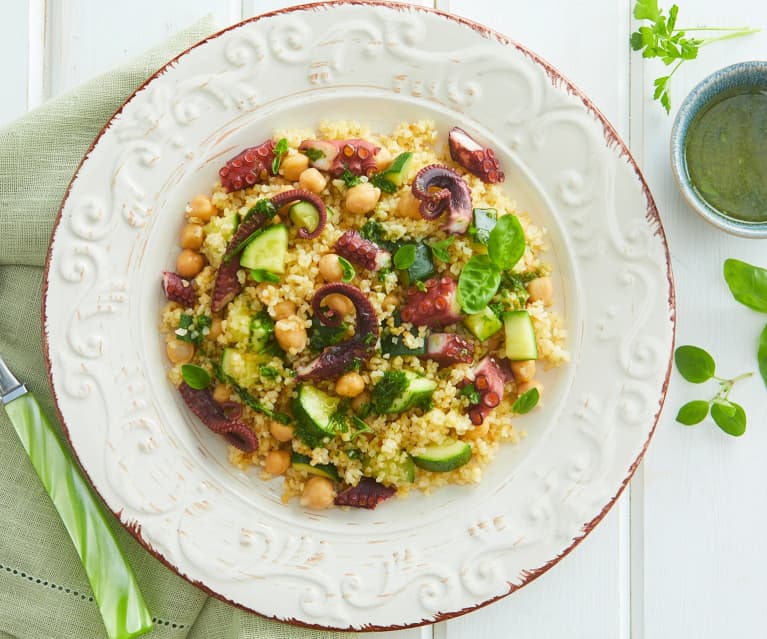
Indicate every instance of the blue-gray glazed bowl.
{"type": "Point", "coordinates": [742, 74]}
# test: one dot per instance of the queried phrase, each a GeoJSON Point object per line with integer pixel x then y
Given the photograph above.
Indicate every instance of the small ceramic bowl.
{"type": "Point", "coordinates": [742, 74]}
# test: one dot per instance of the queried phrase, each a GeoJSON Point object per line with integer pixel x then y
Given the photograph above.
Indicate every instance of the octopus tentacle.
{"type": "Point", "coordinates": [367, 494]}
{"type": "Point", "coordinates": [362, 252]}
{"type": "Point", "coordinates": [489, 378]}
{"type": "Point", "coordinates": [472, 156]}
{"type": "Point", "coordinates": [295, 195]}
{"type": "Point", "coordinates": [439, 188]}
{"type": "Point", "coordinates": [252, 165]}
{"type": "Point", "coordinates": [336, 156]}
{"type": "Point", "coordinates": [367, 320]}
{"type": "Point", "coordinates": [178, 289]}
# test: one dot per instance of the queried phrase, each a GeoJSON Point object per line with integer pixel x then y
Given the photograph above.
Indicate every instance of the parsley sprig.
{"type": "Point", "coordinates": [663, 39]}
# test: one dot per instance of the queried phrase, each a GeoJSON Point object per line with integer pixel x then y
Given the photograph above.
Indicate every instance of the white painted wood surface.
{"type": "Point", "coordinates": [682, 555]}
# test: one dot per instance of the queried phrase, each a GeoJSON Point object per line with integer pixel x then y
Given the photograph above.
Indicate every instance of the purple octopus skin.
{"type": "Point", "coordinates": [178, 289]}
{"type": "Point", "coordinates": [453, 195]}
{"type": "Point", "coordinates": [436, 306]}
{"type": "Point", "coordinates": [202, 404]}
{"type": "Point", "coordinates": [252, 165]}
{"type": "Point", "coordinates": [334, 360]}
{"type": "Point", "coordinates": [367, 494]}
{"type": "Point", "coordinates": [448, 348]}
{"type": "Point", "coordinates": [489, 379]}
{"type": "Point", "coordinates": [302, 195]}
{"type": "Point", "coordinates": [362, 252]}
{"type": "Point", "coordinates": [356, 155]}
{"type": "Point", "coordinates": [474, 157]}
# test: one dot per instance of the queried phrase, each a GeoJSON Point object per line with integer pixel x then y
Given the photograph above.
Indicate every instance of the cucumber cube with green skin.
{"type": "Point", "coordinates": [422, 267]}
{"type": "Point", "coordinates": [303, 462]}
{"type": "Point", "coordinates": [314, 411]}
{"type": "Point", "coordinates": [261, 331]}
{"type": "Point", "coordinates": [267, 251]}
{"type": "Point", "coordinates": [304, 215]}
{"type": "Point", "coordinates": [397, 170]}
{"type": "Point", "coordinates": [483, 325]}
{"type": "Point", "coordinates": [484, 222]}
{"type": "Point", "coordinates": [241, 366]}
{"type": "Point", "coordinates": [444, 457]}
{"type": "Point", "coordinates": [520, 336]}
{"type": "Point", "coordinates": [415, 390]}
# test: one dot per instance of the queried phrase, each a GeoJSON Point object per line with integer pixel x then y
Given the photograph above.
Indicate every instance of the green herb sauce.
{"type": "Point", "coordinates": [726, 154]}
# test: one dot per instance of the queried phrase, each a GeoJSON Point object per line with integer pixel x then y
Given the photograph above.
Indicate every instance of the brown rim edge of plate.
{"type": "Point", "coordinates": [612, 139]}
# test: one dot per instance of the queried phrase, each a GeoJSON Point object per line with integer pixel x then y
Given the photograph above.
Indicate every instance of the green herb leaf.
{"type": "Point", "coordinates": [477, 284]}
{"type": "Point", "coordinates": [261, 275]}
{"type": "Point", "coordinates": [762, 354]}
{"type": "Point", "coordinates": [420, 286]}
{"type": "Point", "coordinates": [694, 364]}
{"type": "Point", "coordinates": [313, 154]}
{"type": "Point", "coordinates": [379, 180]}
{"type": "Point", "coordinates": [692, 412]}
{"type": "Point", "coordinates": [526, 402]}
{"type": "Point", "coordinates": [373, 231]}
{"type": "Point", "coordinates": [405, 256]}
{"type": "Point", "coordinates": [471, 392]}
{"type": "Point", "coordinates": [647, 10]}
{"type": "Point", "coordinates": [192, 329]}
{"type": "Point", "coordinates": [747, 283]}
{"type": "Point", "coordinates": [321, 336]}
{"type": "Point", "coordinates": [731, 422]}
{"type": "Point", "coordinates": [347, 270]}
{"type": "Point", "coordinates": [360, 426]}
{"type": "Point", "coordinates": [349, 178]}
{"type": "Point", "coordinates": [439, 249]}
{"type": "Point", "coordinates": [195, 377]}
{"type": "Point", "coordinates": [392, 385]}
{"type": "Point", "coordinates": [268, 372]}
{"type": "Point", "coordinates": [280, 149]}
{"type": "Point", "coordinates": [507, 242]}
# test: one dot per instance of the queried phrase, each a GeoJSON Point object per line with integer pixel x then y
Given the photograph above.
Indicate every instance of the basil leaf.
{"type": "Point", "coordinates": [526, 402]}
{"type": "Point", "coordinates": [439, 249]}
{"type": "Point", "coordinates": [694, 364]}
{"type": "Point", "coordinates": [507, 242]}
{"type": "Point", "coordinates": [195, 377]}
{"type": "Point", "coordinates": [347, 270]}
{"type": "Point", "coordinates": [692, 413]}
{"type": "Point", "coordinates": [405, 256]}
{"type": "Point", "coordinates": [280, 149]}
{"type": "Point", "coordinates": [313, 154]}
{"type": "Point", "coordinates": [478, 282]}
{"type": "Point", "coordinates": [262, 275]}
{"type": "Point", "coordinates": [762, 354]}
{"type": "Point", "coordinates": [747, 283]}
{"type": "Point", "coordinates": [733, 424]}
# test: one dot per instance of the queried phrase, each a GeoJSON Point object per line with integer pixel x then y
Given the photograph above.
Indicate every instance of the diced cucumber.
{"type": "Point", "coordinates": [417, 393]}
{"type": "Point", "coordinates": [444, 457]}
{"type": "Point", "coordinates": [483, 325]}
{"type": "Point", "coordinates": [305, 215]}
{"type": "Point", "coordinates": [397, 171]}
{"type": "Point", "coordinates": [261, 331]}
{"type": "Point", "coordinates": [241, 366]}
{"type": "Point", "coordinates": [267, 251]}
{"type": "Point", "coordinates": [303, 462]}
{"type": "Point", "coordinates": [422, 267]}
{"type": "Point", "coordinates": [314, 412]}
{"type": "Point", "coordinates": [390, 471]}
{"type": "Point", "coordinates": [484, 222]}
{"type": "Point", "coordinates": [520, 336]}
{"type": "Point", "coordinates": [402, 470]}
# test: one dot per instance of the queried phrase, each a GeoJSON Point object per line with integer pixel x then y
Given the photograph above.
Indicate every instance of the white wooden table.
{"type": "Point", "coordinates": [682, 554]}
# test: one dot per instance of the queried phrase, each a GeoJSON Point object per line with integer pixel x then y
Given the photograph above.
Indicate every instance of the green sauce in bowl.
{"type": "Point", "coordinates": [726, 154]}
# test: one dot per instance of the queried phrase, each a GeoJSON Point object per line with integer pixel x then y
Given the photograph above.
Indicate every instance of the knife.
{"type": "Point", "coordinates": [114, 585]}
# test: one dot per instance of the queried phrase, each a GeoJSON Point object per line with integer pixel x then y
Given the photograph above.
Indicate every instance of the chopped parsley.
{"type": "Point", "coordinates": [391, 386]}
{"type": "Point", "coordinates": [374, 231]}
{"type": "Point", "coordinates": [360, 426]}
{"type": "Point", "coordinates": [420, 286]}
{"type": "Point", "coordinates": [313, 154]}
{"type": "Point", "coordinates": [354, 365]}
{"type": "Point", "coordinates": [321, 336]}
{"type": "Point", "coordinates": [191, 329]}
{"type": "Point", "coordinates": [268, 372]}
{"type": "Point", "coordinates": [471, 392]}
{"type": "Point", "coordinates": [349, 178]}
{"type": "Point", "coordinates": [263, 207]}
{"type": "Point", "coordinates": [280, 149]}
{"type": "Point", "coordinates": [380, 180]}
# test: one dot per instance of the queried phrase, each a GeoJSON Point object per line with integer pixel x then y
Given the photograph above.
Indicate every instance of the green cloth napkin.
{"type": "Point", "coordinates": [44, 592]}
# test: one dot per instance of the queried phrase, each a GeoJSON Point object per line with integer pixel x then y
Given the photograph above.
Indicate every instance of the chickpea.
{"type": "Point", "coordinates": [283, 310]}
{"type": "Point", "coordinates": [360, 400]}
{"type": "Point", "coordinates": [215, 328]}
{"type": "Point", "coordinates": [192, 236]}
{"type": "Point", "coordinates": [526, 386]}
{"type": "Point", "coordinates": [221, 393]}
{"type": "Point", "coordinates": [318, 493]}
{"type": "Point", "coordinates": [339, 303]}
{"type": "Point", "coordinates": [189, 263]}
{"type": "Point", "coordinates": [478, 431]}
{"type": "Point", "coordinates": [292, 166]}
{"type": "Point", "coordinates": [390, 302]}
{"type": "Point", "coordinates": [282, 432]}
{"type": "Point", "coordinates": [409, 206]}
{"type": "Point", "coordinates": [362, 198]}
{"type": "Point", "coordinates": [312, 180]}
{"type": "Point", "coordinates": [523, 371]}
{"type": "Point", "coordinates": [541, 289]}
{"type": "Point", "coordinates": [290, 334]}
{"type": "Point", "coordinates": [350, 385]}
{"type": "Point", "coordinates": [277, 462]}
{"type": "Point", "coordinates": [202, 208]}
{"type": "Point", "coordinates": [330, 268]}
{"type": "Point", "coordinates": [383, 159]}
{"type": "Point", "coordinates": [179, 352]}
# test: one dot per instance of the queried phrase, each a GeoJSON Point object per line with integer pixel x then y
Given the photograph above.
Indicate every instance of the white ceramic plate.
{"type": "Point", "coordinates": [413, 560]}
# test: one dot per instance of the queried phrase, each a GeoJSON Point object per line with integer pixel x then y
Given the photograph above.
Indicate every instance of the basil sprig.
{"type": "Point", "coordinates": [195, 377]}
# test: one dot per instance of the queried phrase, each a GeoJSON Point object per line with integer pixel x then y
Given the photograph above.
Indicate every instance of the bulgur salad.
{"type": "Point", "coordinates": [360, 314]}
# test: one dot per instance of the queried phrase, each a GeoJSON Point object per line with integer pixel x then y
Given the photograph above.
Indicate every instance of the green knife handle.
{"type": "Point", "coordinates": [114, 586]}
